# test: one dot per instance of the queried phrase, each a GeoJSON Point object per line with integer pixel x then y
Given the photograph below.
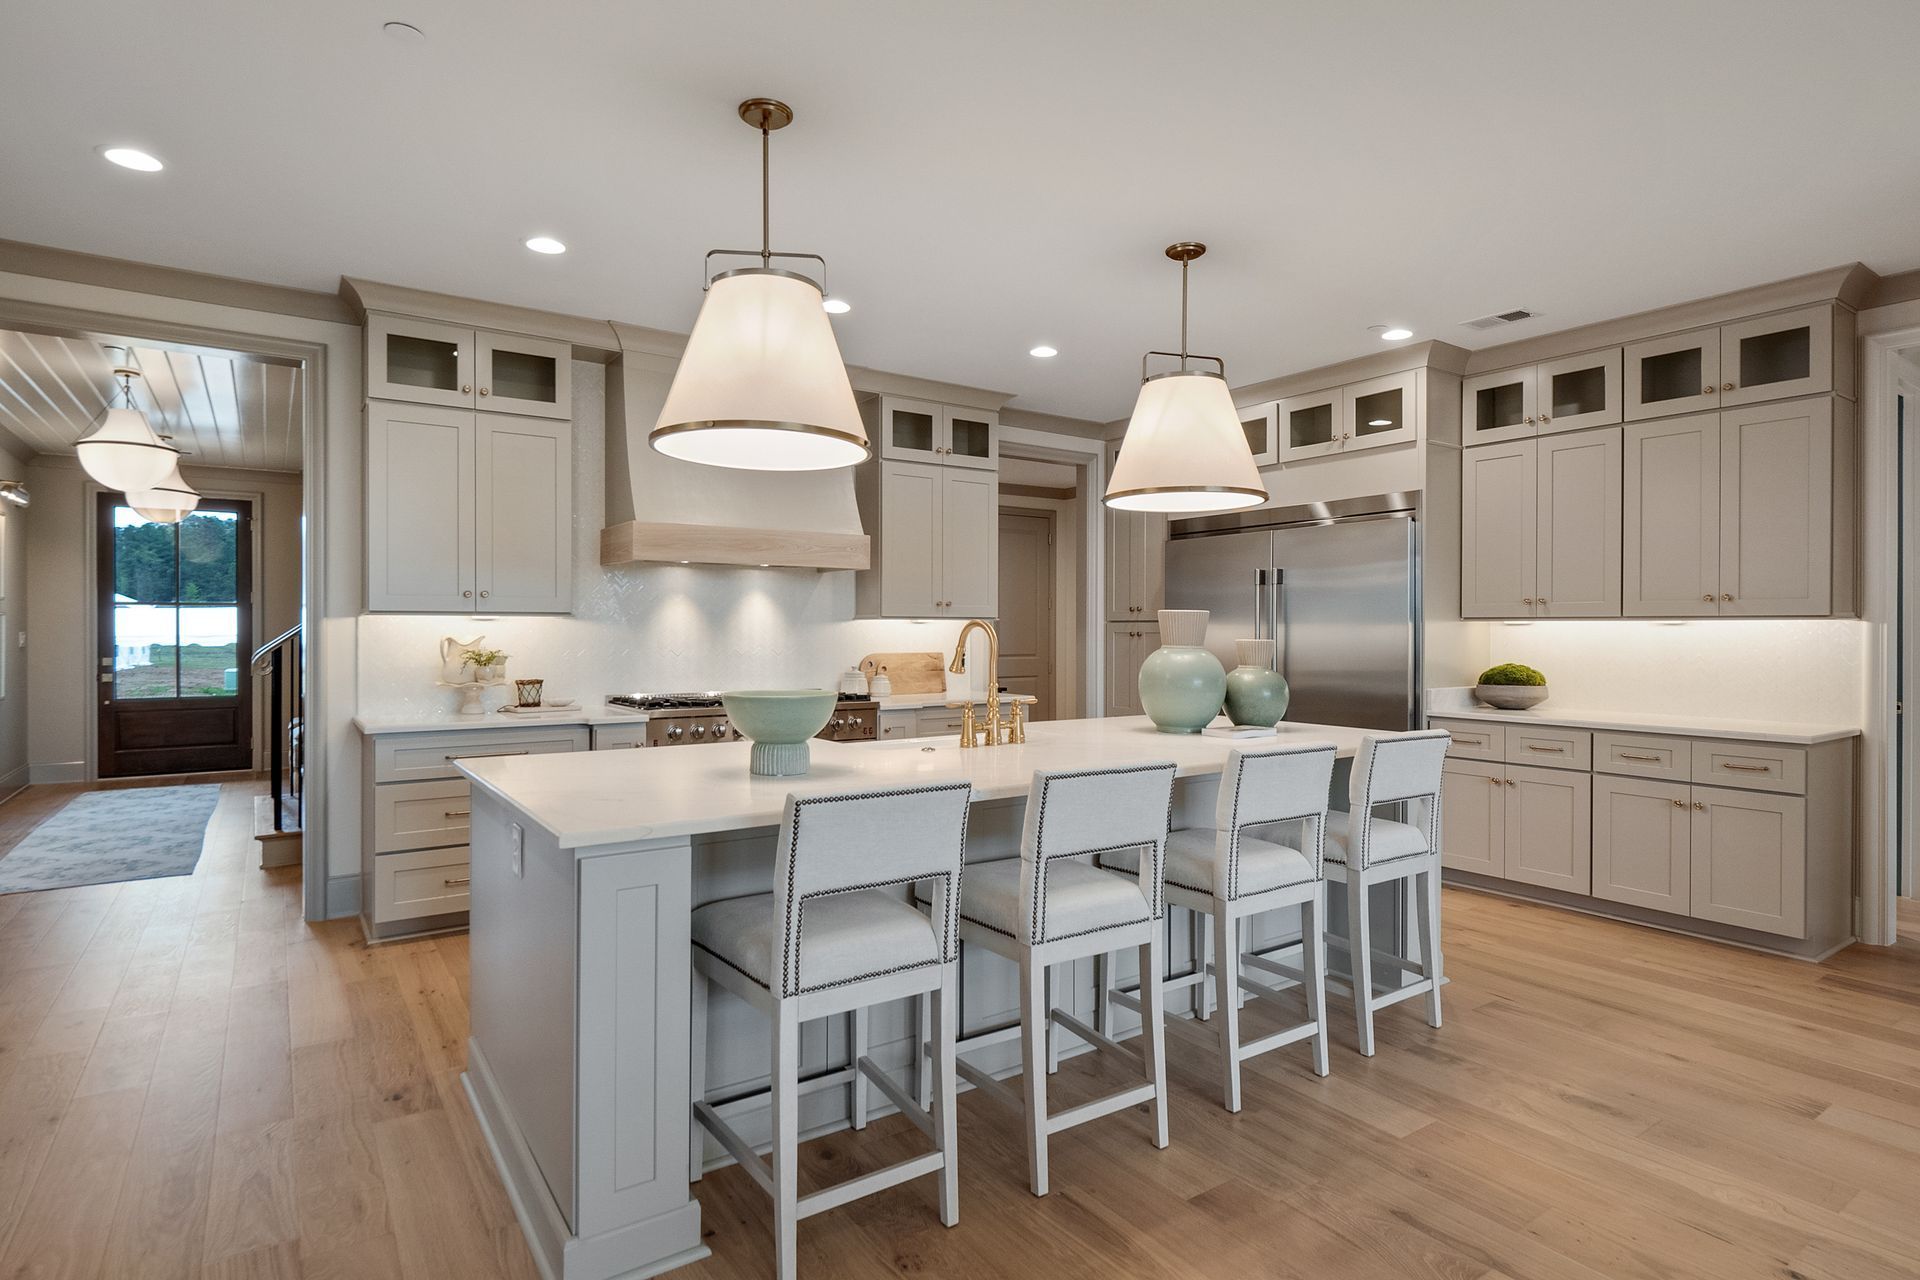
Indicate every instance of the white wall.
{"type": "Point", "coordinates": [653, 628]}
{"type": "Point", "coordinates": [1811, 671]}
{"type": "Point", "coordinates": [15, 522]}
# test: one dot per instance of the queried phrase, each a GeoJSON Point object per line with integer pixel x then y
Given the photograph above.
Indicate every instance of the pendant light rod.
{"type": "Point", "coordinates": [1184, 253]}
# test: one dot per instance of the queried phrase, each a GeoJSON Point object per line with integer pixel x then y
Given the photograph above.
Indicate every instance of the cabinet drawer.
{"type": "Point", "coordinates": [1552, 747]}
{"type": "Point", "coordinates": [1643, 755]}
{"type": "Point", "coordinates": [422, 757]}
{"type": "Point", "coordinates": [1757, 766]}
{"type": "Point", "coordinates": [609, 736]}
{"type": "Point", "coordinates": [421, 815]}
{"type": "Point", "coordinates": [936, 722]}
{"type": "Point", "coordinates": [1473, 739]}
{"type": "Point", "coordinates": [431, 882]}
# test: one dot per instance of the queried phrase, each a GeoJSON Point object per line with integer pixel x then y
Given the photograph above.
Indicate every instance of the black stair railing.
{"type": "Point", "coordinates": [279, 660]}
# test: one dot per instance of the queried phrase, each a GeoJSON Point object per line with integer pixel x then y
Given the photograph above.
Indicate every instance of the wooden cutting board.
{"type": "Point", "coordinates": [910, 672]}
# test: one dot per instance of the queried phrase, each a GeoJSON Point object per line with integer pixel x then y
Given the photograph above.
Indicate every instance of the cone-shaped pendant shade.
{"type": "Point", "coordinates": [124, 453]}
{"type": "Point", "coordinates": [761, 385]}
{"type": "Point", "coordinates": [1185, 450]}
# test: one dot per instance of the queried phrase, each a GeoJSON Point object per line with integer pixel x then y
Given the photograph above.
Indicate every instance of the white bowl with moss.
{"type": "Point", "coordinates": [1511, 686]}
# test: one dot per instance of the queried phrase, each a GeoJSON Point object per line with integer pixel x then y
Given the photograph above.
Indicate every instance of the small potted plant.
{"type": "Point", "coordinates": [484, 666]}
{"type": "Point", "coordinates": [1513, 686]}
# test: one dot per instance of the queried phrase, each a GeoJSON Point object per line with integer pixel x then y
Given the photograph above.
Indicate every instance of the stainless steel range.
{"type": "Point", "coordinates": [683, 719]}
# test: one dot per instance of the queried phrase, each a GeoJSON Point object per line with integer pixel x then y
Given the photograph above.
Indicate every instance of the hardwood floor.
{"type": "Point", "coordinates": [194, 1082]}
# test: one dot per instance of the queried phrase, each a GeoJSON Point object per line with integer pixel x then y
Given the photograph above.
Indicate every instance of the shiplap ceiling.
{"type": "Point", "coordinates": [987, 175]}
{"type": "Point", "coordinates": [222, 409]}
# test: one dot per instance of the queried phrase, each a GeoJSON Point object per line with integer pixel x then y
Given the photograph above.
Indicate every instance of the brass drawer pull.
{"type": "Point", "coordinates": [1747, 768]}
{"type": "Point", "coordinates": [1629, 755]}
{"type": "Point", "coordinates": [454, 884]}
{"type": "Point", "coordinates": [482, 755]}
{"type": "Point", "coordinates": [1548, 750]}
{"type": "Point", "coordinates": [457, 813]}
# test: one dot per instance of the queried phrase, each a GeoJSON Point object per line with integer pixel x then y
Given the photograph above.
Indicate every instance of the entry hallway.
{"type": "Point", "coordinates": [194, 1082]}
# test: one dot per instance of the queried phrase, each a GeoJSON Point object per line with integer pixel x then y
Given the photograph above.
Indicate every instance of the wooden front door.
{"type": "Point", "coordinates": [1026, 607]}
{"type": "Point", "coordinates": [176, 640]}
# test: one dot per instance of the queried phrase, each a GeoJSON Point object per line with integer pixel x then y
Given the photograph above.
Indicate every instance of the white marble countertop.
{"type": "Point", "coordinates": [610, 797]}
{"type": "Point", "coordinates": [1458, 704]}
{"type": "Point", "coordinates": [918, 701]}
{"type": "Point", "coordinates": [443, 721]}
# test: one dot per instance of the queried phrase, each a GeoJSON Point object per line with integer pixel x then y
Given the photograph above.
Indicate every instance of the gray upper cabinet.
{"type": "Point", "coordinates": [1260, 424]}
{"type": "Point", "coordinates": [1136, 560]}
{"type": "Point", "coordinates": [1309, 426]}
{"type": "Point", "coordinates": [1804, 352]}
{"type": "Point", "coordinates": [1498, 513]}
{"type": "Point", "coordinates": [1567, 394]}
{"type": "Point", "coordinates": [922, 431]}
{"type": "Point", "coordinates": [1497, 407]}
{"type": "Point", "coordinates": [468, 512]}
{"type": "Point", "coordinates": [1380, 411]}
{"type": "Point", "coordinates": [1679, 373]}
{"type": "Point", "coordinates": [1540, 532]}
{"type": "Point", "coordinates": [428, 362]}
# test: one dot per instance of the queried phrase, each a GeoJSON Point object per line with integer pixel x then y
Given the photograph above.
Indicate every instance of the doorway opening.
{"type": "Point", "coordinates": [1043, 578]}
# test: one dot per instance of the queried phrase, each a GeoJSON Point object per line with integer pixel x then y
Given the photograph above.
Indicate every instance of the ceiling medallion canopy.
{"type": "Point", "coordinates": [1184, 451]}
{"type": "Point", "coordinates": [761, 385]}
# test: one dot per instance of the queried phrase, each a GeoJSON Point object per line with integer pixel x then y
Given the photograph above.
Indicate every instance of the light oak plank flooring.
{"type": "Point", "coordinates": [196, 1083]}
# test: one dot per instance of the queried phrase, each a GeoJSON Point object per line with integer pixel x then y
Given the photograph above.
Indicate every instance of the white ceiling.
{"type": "Point", "coordinates": [990, 175]}
{"type": "Point", "coordinates": [220, 409]}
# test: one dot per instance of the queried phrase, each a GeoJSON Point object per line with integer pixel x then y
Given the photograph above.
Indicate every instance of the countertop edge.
{"type": "Point", "coordinates": [1679, 726]}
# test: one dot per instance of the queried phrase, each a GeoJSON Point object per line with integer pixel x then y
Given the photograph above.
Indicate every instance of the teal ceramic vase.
{"type": "Point", "coordinates": [1181, 684]}
{"type": "Point", "coordinates": [1256, 693]}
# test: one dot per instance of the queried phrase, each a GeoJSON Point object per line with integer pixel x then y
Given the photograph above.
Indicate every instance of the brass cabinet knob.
{"type": "Point", "coordinates": [1512, 783]}
{"type": "Point", "coordinates": [1541, 600]}
{"type": "Point", "coordinates": [1707, 390]}
{"type": "Point", "coordinates": [466, 389]}
{"type": "Point", "coordinates": [1545, 419]}
{"type": "Point", "coordinates": [1729, 599]}
{"type": "Point", "coordinates": [1726, 386]}
{"type": "Point", "coordinates": [1679, 804]}
{"type": "Point", "coordinates": [484, 391]}
{"type": "Point", "coordinates": [1526, 600]}
{"type": "Point", "coordinates": [1494, 781]}
{"type": "Point", "coordinates": [1529, 419]}
{"type": "Point", "coordinates": [1702, 808]}
{"type": "Point", "coordinates": [1707, 598]}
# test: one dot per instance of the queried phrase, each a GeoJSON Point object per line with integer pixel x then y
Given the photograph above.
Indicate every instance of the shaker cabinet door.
{"type": "Point", "coordinates": [910, 560]}
{"type": "Point", "coordinates": [1580, 391]}
{"type": "Point", "coordinates": [1670, 526]}
{"type": "Point", "coordinates": [1578, 525]}
{"type": "Point", "coordinates": [969, 543]}
{"type": "Point", "coordinates": [1643, 842]}
{"type": "Point", "coordinates": [523, 514]}
{"type": "Point", "coordinates": [1473, 818]}
{"type": "Point", "coordinates": [420, 361]}
{"type": "Point", "coordinates": [420, 509]}
{"type": "Point", "coordinates": [1750, 860]}
{"type": "Point", "coordinates": [1549, 828]}
{"type": "Point", "coordinates": [524, 375]}
{"type": "Point", "coordinates": [1497, 549]}
{"type": "Point", "coordinates": [1776, 510]}
{"type": "Point", "coordinates": [1774, 357]}
{"type": "Point", "coordinates": [1679, 373]}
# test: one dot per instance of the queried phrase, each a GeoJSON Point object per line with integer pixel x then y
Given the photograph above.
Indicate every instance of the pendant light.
{"type": "Point", "coordinates": [1185, 450]}
{"type": "Point", "coordinates": [168, 502]}
{"type": "Point", "coordinates": [123, 452]}
{"type": "Point", "coordinates": [761, 385]}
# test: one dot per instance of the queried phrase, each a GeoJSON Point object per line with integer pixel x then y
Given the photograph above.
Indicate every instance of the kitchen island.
{"type": "Point", "coordinates": [585, 871]}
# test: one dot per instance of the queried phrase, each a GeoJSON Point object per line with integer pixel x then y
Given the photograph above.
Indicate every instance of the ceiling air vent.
{"type": "Point", "coordinates": [1499, 318]}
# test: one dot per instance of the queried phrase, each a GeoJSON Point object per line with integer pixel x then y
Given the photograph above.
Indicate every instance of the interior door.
{"type": "Point", "coordinates": [175, 615]}
{"type": "Point", "coordinates": [1026, 623]}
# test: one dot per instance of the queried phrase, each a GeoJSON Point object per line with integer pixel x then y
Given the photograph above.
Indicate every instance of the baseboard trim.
{"type": "Point", "coordinates": [16, 782]}
{"type": "Point", "coordinates": [343, 896]}
{"type": "Point", "coordinates": [67, 771]}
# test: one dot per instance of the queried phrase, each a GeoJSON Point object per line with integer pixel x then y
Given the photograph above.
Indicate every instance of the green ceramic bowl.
{"type": "Point", "coordinates": [779, 716]}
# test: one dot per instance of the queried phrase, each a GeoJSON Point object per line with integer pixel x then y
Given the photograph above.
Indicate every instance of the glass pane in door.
{"type": "Point", "coordinates": [1310, 426]}
{"type": "Point", "coordinates": [1578, 391]}
{"type": "Point", "coordinates": [209, 651]}
{"type": "Point", "coordinates": [1500, 406]}
{"type": "Point", "coordinates": [209, 560]}
{"type": "Point", "coordinates": [1256, 432]}
{"type": "Point", "coordinates": [423, 362]}
{"type": "Point", "coordinates": [911, 430]}
{"type": "Point", "coordinates": [1784, 356]}
{"type": "Point", "coordinates": [1672, 375]}
{"type": "Point", "coordinates": [972, 438]}
{"type": "Point", "coordinates": [1380, 412]}
{"type": "Point", "coordinates": [522, 375]}
{"type": "Point", "coordinates": [175, 617]}
{"type": "Point", "coordinates": [145, 640]}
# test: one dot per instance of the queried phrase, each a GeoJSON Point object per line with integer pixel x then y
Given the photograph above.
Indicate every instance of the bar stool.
{"type": "Point", "coordinates": [1364, 849]}
{"type": "Point", "coordinates": [1052, 906]}
{"type": "Point", "coordinates": [838, 857]}
{"type": "Point", "coordinates": [1230, 875]}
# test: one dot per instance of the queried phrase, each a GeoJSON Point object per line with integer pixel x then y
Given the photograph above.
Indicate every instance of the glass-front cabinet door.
{"type": "Point", "coordinates": [971, 438]}
{"type": "Point", "coordinates": [420, 361]}
{"type": "Point", "coordinates": [1260, 424]}
{"type": "Point", "coordinates": [910, 430]}
{"type": "Point", "coordinates": [1777, 356]}
{"type": "Point", "coordinates": [1310, 425]}
{"type": "Point", "coordinates": [1579, 391]}
{"type": "Point", "coordinates": [1679, 373]}
{"type": "Point", "coordinates": [515, 374]}
{"type": "Point", "coordinates": [1498, 406]}
{"type": "Point", "coordinates": [1380, 411]}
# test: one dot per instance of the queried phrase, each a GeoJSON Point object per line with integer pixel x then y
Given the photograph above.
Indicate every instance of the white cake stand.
{"type": "Point", "coordinates": [470, 704]}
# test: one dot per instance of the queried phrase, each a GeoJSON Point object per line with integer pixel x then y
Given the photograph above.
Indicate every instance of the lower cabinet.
{"type": "Point", "coordinates": [1128, 644]}
{"type": "Point", "coordinates": [1750, 860]}
{"type": "Point", "coordinates": [899, 724]}
{"type": "Point", "coordinates": [1643, 843]}
{"type": "Point", "coordinates": [1473, 817]}
{"type": "Point", "coordinates": [1517, 822]}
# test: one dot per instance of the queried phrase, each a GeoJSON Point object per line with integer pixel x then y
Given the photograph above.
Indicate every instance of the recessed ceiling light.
{"type": "Point", "coordinates": [1043, 352]}
{"type": "Point", "coordinates": [1394, 335]}
{"type": "Point", "coordinates": [405, 32]}
{"type": "Point", "coordinates": [545, 244]}
{"type": "Point", "coordinates": [1380, 422]}
{"type": "Point", "coordinates": [835, 306]}
{"type": "Point", "coordinates": [132, 158]}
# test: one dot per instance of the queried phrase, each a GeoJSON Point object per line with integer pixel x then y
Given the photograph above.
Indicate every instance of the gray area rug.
{"type": "Point", "coordinates": [102, 837]}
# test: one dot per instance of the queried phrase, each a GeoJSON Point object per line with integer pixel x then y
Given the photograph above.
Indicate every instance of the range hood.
{"type": "Point", "coordinates": [664, 511]}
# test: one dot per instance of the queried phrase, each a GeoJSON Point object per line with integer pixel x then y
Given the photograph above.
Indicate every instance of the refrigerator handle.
{"type": "Point", "coordinates": [1267, 617]}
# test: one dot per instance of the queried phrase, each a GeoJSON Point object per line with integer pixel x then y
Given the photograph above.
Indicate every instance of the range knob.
{"type": "Point", "coordinates": [699, 731]}
{"type": "Point", "coordinates": [720, 729]}
{"type": "Point", "coordinates": [674, 732]}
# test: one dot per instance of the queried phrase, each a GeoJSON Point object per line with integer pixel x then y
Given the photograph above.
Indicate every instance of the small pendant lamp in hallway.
{"type": "Point", "coordinates": [124, 452]}
{"type": "Point", "coordinates": [1184, 450]}
{"type": "Point", "coordinates": [761, 385]}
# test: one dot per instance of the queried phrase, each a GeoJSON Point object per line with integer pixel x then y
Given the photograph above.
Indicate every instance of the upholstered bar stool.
{"type": "Point", "coordinates": [1051, 906]}
{"type": "Point", "coordinates": [829, 939]}
{"type": "Point", "coordinates": [1229, 874]}
{"type": "Point", "coordinates": [1365, 849]}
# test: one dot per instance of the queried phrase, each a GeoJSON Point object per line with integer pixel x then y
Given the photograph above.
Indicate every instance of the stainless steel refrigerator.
{"type": "Point", "coordinates": [1340, 593]}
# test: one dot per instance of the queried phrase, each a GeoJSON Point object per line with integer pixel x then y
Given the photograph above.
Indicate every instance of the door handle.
{"type": "Point", "coordinates": [454, 884]}
{"type": "Point", "coordinates": [1629, 755]}
{"type": "Point", "coordinates": [457, 813]}
{"type": "Point", "coordinates": [1558, 751]}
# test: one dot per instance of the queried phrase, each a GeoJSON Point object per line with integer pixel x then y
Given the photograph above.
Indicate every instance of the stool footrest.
{"type": "Point", "coordinates": [868, 1183]}
{"type": "Point", "coordinates": [1106, 1106]}
{"type": "Point", "coordinates": [907, 1106]}
{"type": "Point", "coordinates": [1278, 1040]}
{"type": "Point", "coordinates": [1093, 1037]}
{"type": "Point", "coordinates": [999, 1090]}
{"type": "Point", "coordinates": [743, 1155]}
{"type": "Point", "coordinates": [1202, 1032]}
